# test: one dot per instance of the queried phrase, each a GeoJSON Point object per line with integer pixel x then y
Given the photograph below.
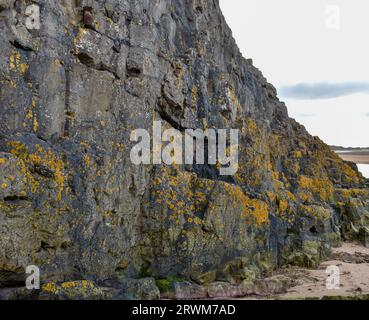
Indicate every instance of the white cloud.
{"type": "Point", "coordinates": [323, 90]}
{"type": "Point", "coordinates": [290, 42]}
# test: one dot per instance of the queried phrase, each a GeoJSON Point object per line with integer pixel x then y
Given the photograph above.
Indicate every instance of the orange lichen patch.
{"type": "Point", "coordinates": [320, 187]}
{"type": "Point", "coordinates": [9, 82]}
{"type": "Point", "coordinates": [18, 148]}
{"type": "Point", "coordinates": [53, 288]}
{"type": "Point", "coordinates": [194, 96]}
{"type": "Point", "coordinates": [87, 160]}
{"type": "Point", "coordinates": [275, 175]}
{"type": "Point", "coordinates": [359, 192]}
{"type": "Point", "coordinates": [2, 161]}
{"type": "Point", "coordinates": [231, 94]}
{"type": "Point", "coordinates": [49, 288]}
{"type": "Point", "coordinates": [318, 212]}
{"type": "Point", "coordinates": [283, 205]}
{"type": "Point", "coordinates": [110, 218]}
{"type": "Point", "coordinates": [73, 284]}
{"type": "Point", "coordinates": [254, 208]}
{"type": "Point", "coordinates": [346, 194]}
{"type": "Point", "coordinates": [351, 175]}
{"type": "Point", "coordinates": [305, 182]}
{"type": "Point", "coordinates": [272, 196]}
{"type": "Point", "coordinates": [40, 157]}
{"type": "Point", "coordinates": [35, 123]}
{"type": "Point", "coordinates": [181, 194]}
{"type": "Point", "coordinates": [306, 196]}
{"type": "Point", "coordinates": [259, 210]}
{"type": "Point", "coordinates": [14, 60]}
{"type": "Point", "coordinates": [80, 35]}
{"type": "Point", "coordinates": [291, 196]}
{"type": "Point", "coordinates": [84, 144]}
{"type": "Point", "coordinates": [15, 63]}
{"type": "Point", "coordinates": [197, 221]}
{"type": "Point", "coordinates": [297, 154]}
{"type": "Point", "coordinates": [250, 126]}
{"type": "Point", "coordinates": [31, 115]}
{"type": "Point", "coordinates": [58, 62]}
{"type": "Point", "coordinates": [23, 67]}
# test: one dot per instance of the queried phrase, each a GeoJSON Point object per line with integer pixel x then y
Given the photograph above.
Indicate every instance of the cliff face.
{"type": "Point", "coordinates": [71, 91]}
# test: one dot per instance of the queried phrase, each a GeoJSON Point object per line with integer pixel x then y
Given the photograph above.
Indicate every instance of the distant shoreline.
{"type": "Point", "coordinates": [356, 155]}
{"type": "Point", "coordinates": [339, 149]}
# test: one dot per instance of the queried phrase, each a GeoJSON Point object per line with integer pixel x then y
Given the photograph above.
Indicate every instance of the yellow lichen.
{"type": "Point", "coordinates": [318, 212]}
{"type": "Point", "coordinates": [53, 288]}
{"type": "Point", "coordinates": [194, 96]}
{"type": "Point", "coordinates": [14, 60]}
{"type": "Point", "coordinates": [31, 115]}
{"type": "Point", "coordinates": [9, 82]}
{"type": "Point", "coordinates": [320, 187]}
{"type": "Point", "coordinates": [231, 94]}
{"type": "Point", "coordinates": [350, 174]}
{"type": "Point", "coordinates": [40, 157]}
{"type": "Point", "coordinates": [297, 154]}
{"type": "Point", "coordinates": [254, 208]}
{"type": "Point", "coordinates": [23, 67]}
{"type": "Point", "coordinates": [49, 288]}
{"type": "Point", "coordinates": [283, 205]}
{"type": "Point", "coordinates": [180, 199]}
{"type": "Point", "coordinates": [79, 38]}
{"type": "Point", "coordinates": [87, 160]}
{"type": "Point", "coordinates": [2, 161]}
{"type": "Point", "coordinates": [35, 123]}
{"type": "Point", "coordinates": [204, 123]}
{"type": "Point", "coordinates": [15, 63]}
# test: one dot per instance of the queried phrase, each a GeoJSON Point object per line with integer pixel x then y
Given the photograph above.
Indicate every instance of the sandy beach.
{"type": "Point", "coordinates": [357, 156]}
{"type": "Point", "coordinates": [353, 263]}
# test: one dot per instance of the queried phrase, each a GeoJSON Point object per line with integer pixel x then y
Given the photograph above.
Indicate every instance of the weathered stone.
{"type": "Point", "coordinates": [188, 290]}
{"type": "Point", "coordinates": [204, 278]}
{"type": "Point", "coordinates": [225, 289]}
{"type": "Point", "coordinates": [73, 203]}
{"type": "Point", "coordinates": [136, 289]}
{"type": "Point", "coordinates": [273, 285]}
{"type": "Point", "coordinates": [74, 290]}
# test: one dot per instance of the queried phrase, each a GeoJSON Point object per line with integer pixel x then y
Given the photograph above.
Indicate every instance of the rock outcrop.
{"type": "Point", "coordinates": [76, 77]}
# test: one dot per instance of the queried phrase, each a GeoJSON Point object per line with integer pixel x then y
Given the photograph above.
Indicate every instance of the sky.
{"type": "Point", "coordinates": [316, 53]}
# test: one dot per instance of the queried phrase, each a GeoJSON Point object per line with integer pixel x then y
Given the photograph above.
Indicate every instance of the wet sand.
{"type": "Point", "coordinates": [353, 263]}
{"type": "Point", "coordinates": [357, 156]}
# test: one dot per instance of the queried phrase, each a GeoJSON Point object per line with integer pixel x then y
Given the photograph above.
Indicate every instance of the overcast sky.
{"type": "Point", "coordinates": [316, 52]}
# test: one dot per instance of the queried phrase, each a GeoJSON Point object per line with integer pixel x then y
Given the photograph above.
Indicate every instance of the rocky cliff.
{"type": "Point", "coordinates": [76, 77]}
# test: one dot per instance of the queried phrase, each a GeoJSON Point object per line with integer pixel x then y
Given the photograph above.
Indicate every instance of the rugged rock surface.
{"type": "Point", "coordinates": [78, 78]}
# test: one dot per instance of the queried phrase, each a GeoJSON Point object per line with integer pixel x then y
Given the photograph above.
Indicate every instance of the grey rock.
{"type": "Point", "coordinates": [137, 289]}
{"type": "Point", "coordinates": [71, 201]}
{"type": "Point", "coordinates": [188, 290]}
